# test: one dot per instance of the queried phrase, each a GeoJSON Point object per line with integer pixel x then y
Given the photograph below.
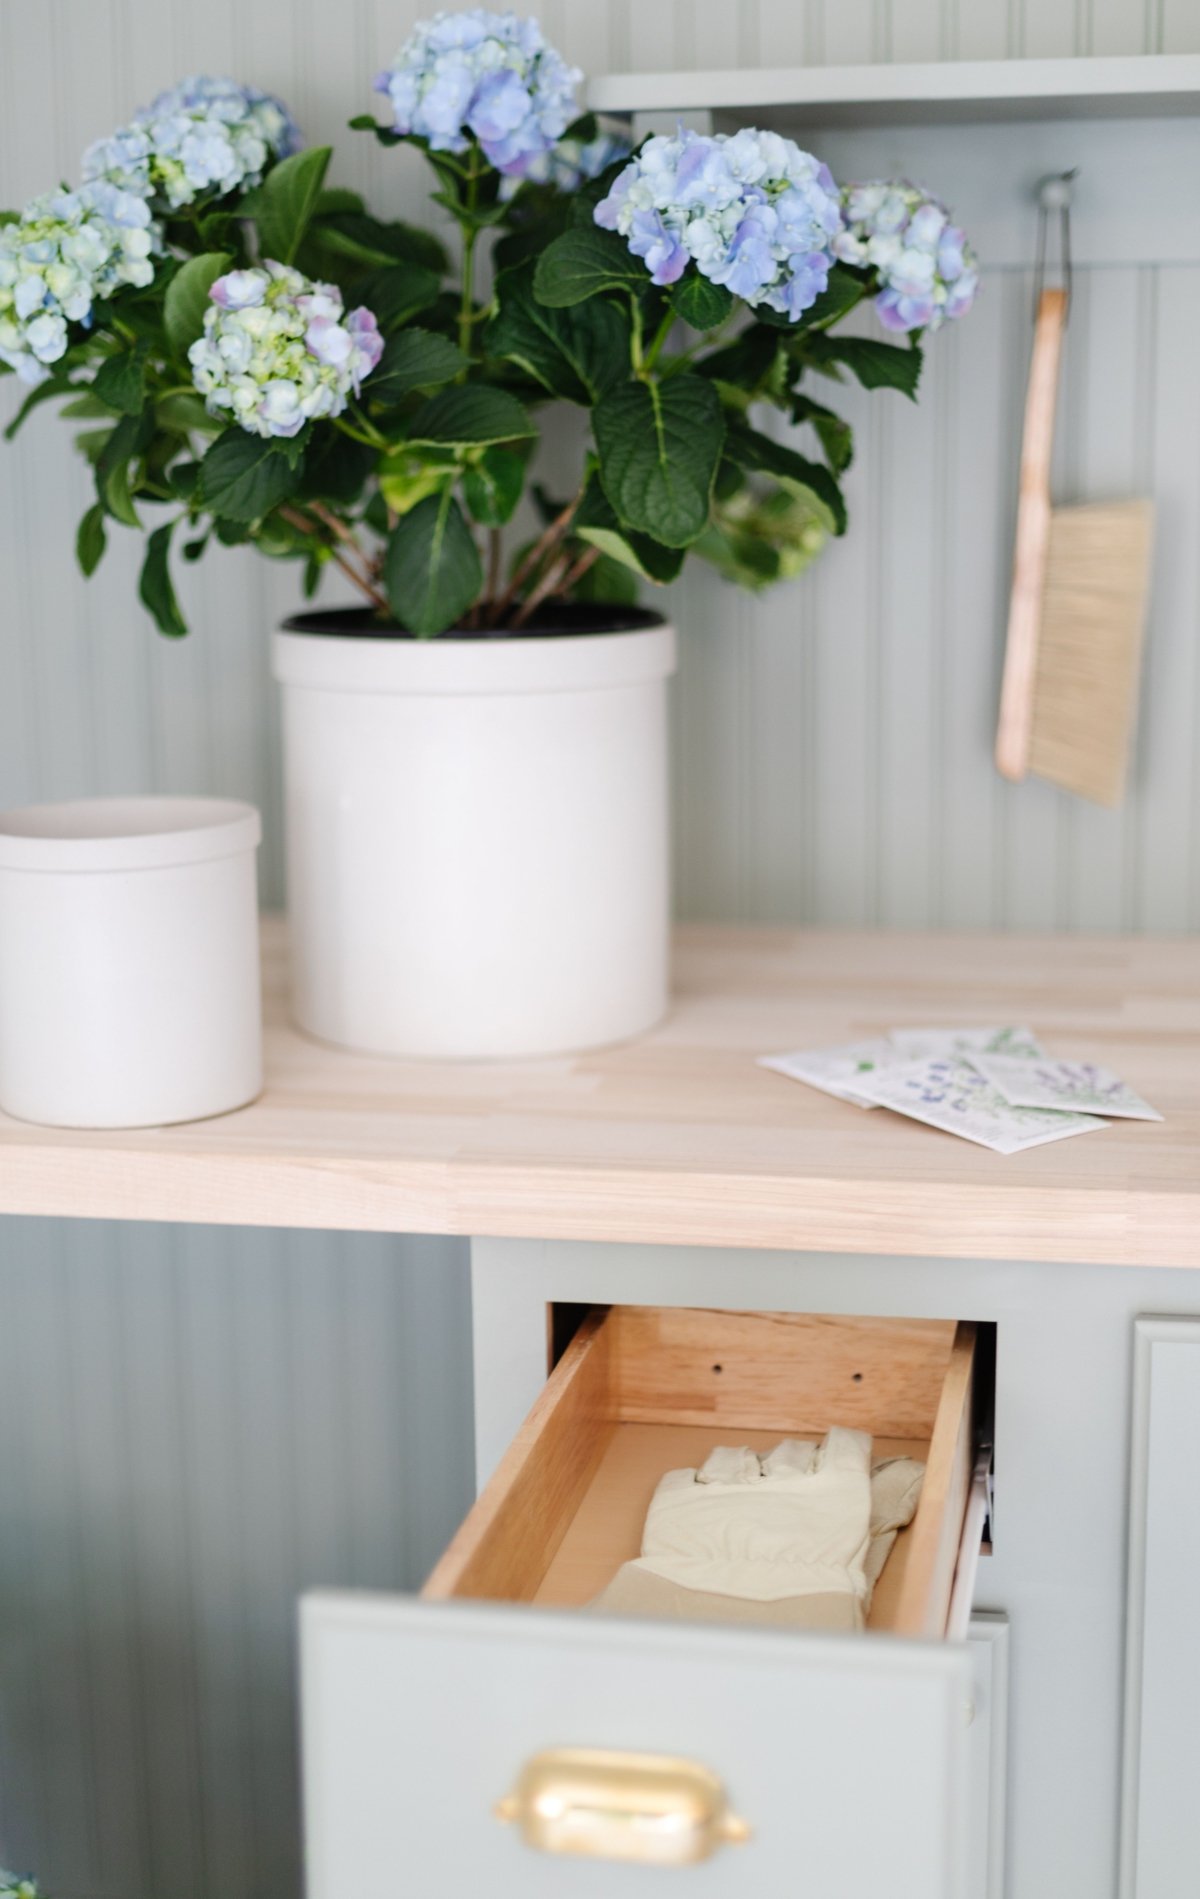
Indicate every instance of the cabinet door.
{"type": "Point", "coordinates": [846, 1758]}
{"type": "Point", "coordinates": [1162, 1698]}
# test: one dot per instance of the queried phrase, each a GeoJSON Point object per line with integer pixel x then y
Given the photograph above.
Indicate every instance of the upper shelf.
{"type": "Point", "coordinates": [945, 92]}
{"type": "Point", "coordinates": [679, 1138]}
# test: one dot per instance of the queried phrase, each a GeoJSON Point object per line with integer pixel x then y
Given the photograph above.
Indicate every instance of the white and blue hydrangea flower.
{"type": "Point", "coordinates": [752, 212]}
{"type": "Point", "coordinates": [279, 351]}
{"type": "Point", "coordinates": [66, 252]}
{"type": "Point", "coordinates": [204, 137]}
{"type": "Point", "coordinates": [928, 274]}
{"type": "Point", "coordinates": [483, 74]}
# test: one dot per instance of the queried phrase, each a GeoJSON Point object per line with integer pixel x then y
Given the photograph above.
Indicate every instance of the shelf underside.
{"type": "Point", "coordinates": [947, 92]}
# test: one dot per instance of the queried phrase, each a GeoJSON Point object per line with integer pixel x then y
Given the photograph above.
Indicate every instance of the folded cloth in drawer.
{"type": "Point", "coordinates": [797, 1539]}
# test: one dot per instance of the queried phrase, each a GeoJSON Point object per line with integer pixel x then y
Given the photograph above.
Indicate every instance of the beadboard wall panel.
{"type": "Point", "coordinates": [195, 1424]}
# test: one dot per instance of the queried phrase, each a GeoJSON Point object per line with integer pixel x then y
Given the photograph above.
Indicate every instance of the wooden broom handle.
{"type": "Point", "coordinates": [1033, 539]}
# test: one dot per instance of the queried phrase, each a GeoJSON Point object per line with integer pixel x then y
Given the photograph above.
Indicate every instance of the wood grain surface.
{"type": "Point", "coordinates": [680, 1138]}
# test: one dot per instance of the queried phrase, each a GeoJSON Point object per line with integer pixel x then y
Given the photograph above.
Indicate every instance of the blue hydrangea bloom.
{"type": "Point", "coordinates": [927, 272]}
{"type": "Point", "coordinates": [67, 251]}
{"type": "Point", "coordinates": [751, 211]}
{"type": "Point", "coordinates": [204, 136]}
{"type": "Point", "coordinates": [485, 74]}
{"type": "Point", "coordinates": [278, 351]}
{"type": "Point", "coordinates": [569, 164]}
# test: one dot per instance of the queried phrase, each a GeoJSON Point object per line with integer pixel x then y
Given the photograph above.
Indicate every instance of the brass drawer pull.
{"type": "Point", "coordinates": [651, 1808]}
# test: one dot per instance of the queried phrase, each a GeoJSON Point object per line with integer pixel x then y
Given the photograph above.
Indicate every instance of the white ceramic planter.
{"type": "Point", "coordinates": [477, 836]}
{"type": "Point", "coordinates": [129, 969]}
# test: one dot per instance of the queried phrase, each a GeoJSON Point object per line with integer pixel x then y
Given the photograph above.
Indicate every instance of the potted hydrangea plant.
{"type": "Point", "coordinates": [476, 753]}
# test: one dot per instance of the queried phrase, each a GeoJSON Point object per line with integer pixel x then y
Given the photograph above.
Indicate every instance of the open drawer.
{"type": "Point", "coordinates": [490, 1738]}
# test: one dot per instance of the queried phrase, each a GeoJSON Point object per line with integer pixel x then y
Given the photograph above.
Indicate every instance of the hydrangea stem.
{"type": "Point", "coordinates": [470, 231]}
{"type": "Point", "coordinates": [541, 550]}
{"type": "Point", "coordinates": [551, 582]}
{"type": "Point", "coordinates": [495, 565]}
{"type": "Point", "coordinates": [635, 334]}
{"type": "Point", "coordinates": [660, 336]}
{"type": "Point", "coordinates": [339, 555]}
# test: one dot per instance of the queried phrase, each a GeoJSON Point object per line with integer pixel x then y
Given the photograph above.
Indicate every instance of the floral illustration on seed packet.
{"type": "Point", "coordinates": [1065, 1085]}
{"type": "Point", "coordinates": [964, 1088]}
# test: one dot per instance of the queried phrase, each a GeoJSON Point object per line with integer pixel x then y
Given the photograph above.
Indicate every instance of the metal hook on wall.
{"type": "Point", "coordinates": [1054, 195]}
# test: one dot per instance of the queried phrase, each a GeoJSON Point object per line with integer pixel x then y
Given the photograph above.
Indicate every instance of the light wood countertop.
{"type": "Point", "coordinates": [680, 1138]}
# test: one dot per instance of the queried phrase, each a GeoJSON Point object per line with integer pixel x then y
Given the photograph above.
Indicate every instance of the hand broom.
{"type": "Point", "coordinates": [1080, 583]}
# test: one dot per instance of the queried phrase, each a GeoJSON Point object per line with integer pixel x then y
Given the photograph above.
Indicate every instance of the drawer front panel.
{"type": "Point", "coordinates": [846, 1759]}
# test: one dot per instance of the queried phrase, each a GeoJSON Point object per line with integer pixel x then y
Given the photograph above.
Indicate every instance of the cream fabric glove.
{"type": "Point", "coordinates": [895, 1494]}
{"type": "Point", "coordinates": [644, 1587]}
{"type": "Point", "coordinates": [792, 1524]}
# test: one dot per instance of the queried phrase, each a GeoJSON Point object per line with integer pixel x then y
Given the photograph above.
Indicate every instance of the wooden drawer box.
{"type": "Point", "coordinates": [777, 1762]}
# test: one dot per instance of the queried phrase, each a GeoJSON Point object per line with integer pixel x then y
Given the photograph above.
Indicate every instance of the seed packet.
{"type": "Point", "coordinates": [953, 1095]}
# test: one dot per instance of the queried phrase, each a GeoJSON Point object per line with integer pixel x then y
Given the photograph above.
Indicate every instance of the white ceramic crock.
{"type": "Point", "coordinates": [129, 968]}
{"type": "Point", "coordinates": [477, 838]}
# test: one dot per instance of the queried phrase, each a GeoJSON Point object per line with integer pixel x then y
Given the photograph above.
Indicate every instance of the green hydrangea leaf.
{"type": "Point", "coordinates": [747, 561]}
{"type": "Point", "coordinates": [608, 582]}
{"type": "Point", "coordinates": [760, 454]}
{"type": "Point", "coordinates": [835, 436]}
{"type": "Point", "coordinates": [91, 540]}
{"type": "Point", "coordinates": [703, 305]}
{"type": "Point", "coordinates": [367, 122]}
{"type": "Point", "coordinates": [84, 408]}
{"type": "Point", "coordinates": [875, 365]}
{"type": "Point", "coordinates": [584, 262]}
{"type": "Point", "coordinates": [431, 570]}
{"type": "Point", "coordinates": [284, 203]}
{"type": "Point", "coordinates": [576, 353]}
{"type": "Point", "coordinates": [181, 414]}
{"type": "Point", "coordinates": [112, 469]}
{"type": "Point", "coordinates": [187, 298]}
{"type": "Point", "coordinates": [397, 293]}
{"type": "Point", "coordinates": [336, 198]}
{"type": "Point", "coordinates": [349, 231]}
{"type": "Point", "coordinates": [471, 416]}
{"type": "Point", "coordinates": [493, 486]}
{"type": "Point", "coordinates": [659, 444]}
{"type": "Point", "coordinates": [184, 479]}
{"type": "Point", "coordinates": [414, 359]}
{"type": "Point", "coordinates": [596, 523]}
{"type": "Point", "coordinates": [404, 481]}
{"type": "Point", "coordinates": [155, 591]}
{"type": "Point", "coordinates": [244, 476]}
{"type": "Point", "coordinates": [336, 469]}
{"type": "Point", "coordinates": [120, 381]}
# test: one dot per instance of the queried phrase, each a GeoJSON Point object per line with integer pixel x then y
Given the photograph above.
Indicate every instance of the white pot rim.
{"type": "Point", "coordinates": [561, 662]}
{"type": "Point", "coordinates": [136, 833]}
